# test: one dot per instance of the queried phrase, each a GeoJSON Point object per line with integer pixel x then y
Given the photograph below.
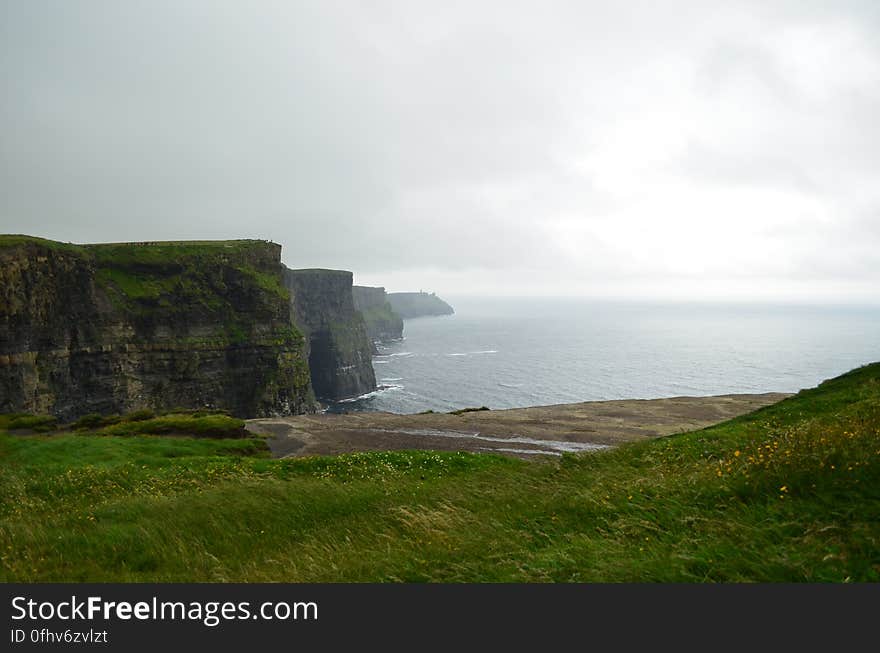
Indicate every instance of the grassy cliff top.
{"type": "Point", "coordinates": [155, 254]}
{"type": "Point", "coordinates": [172, 246]}
{"type": "Point", "coordinates": [159, 251]}
{"type": "Point", "coordinates": [152, 254]}
{"type": "Point", "coordinates": [788, 493]}
{"type": "Point", "coordinates": [8, 241]}
{"type": "Point", "coordinates": [318, 272]}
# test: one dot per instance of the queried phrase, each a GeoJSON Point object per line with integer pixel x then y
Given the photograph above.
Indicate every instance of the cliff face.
{"type": "Point", "coordinates": [114, 328]}
{"type": "Point", "coordinates": [382, 322]}
{"type": "Point", "coordinates": [340, 356]}
{"type": "Point", "coordinates": [418, 304]}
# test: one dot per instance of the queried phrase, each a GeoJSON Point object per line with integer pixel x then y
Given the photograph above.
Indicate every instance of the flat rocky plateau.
{"type": "Point", "coordinates": [521, 432]}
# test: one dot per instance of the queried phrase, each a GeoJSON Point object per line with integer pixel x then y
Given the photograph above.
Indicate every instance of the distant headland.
{"type": "Point", "coordinates": [418, 304]}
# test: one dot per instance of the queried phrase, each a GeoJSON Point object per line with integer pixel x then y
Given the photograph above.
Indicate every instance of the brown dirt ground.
{"type": "Point", "coordinates": [522, 432]}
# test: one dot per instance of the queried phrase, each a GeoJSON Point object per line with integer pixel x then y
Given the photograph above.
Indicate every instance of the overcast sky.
{"type": "Point", "coordinates": [623, 149]}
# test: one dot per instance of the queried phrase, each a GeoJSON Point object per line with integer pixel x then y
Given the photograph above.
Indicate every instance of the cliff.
{"type": "Point", "coordinates": [340, 356]}
{"type": "Point", "coordinates": [418, 304]}
{"type": "Point", "coordinates": [120, 327]}
{"type": "Point", "coordinates": [383, 324]}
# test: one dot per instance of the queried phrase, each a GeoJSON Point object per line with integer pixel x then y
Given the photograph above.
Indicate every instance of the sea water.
{"type": "Point", "coordinates": [507, 353]}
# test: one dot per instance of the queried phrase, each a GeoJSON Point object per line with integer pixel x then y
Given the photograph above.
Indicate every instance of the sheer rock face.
{"type": "Point", "coordinates": [340, 354]}
{"type": "Point", "coordinates": [383, 324]}
{"type": "Point", "coordinates": [115, 328]}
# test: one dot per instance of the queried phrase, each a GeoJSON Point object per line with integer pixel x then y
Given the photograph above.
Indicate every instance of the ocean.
{"type": "Point", "coordinates": [508, 353]}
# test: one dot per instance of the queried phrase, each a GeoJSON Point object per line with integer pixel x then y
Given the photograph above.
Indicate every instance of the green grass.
{"type": "Point", "coordinates": [269, 282]}
{"type": "Point", "coordinates": [788, 493]}
{"type": "Point", "coordinates": [216, 426]}
{"type": "Point", "coordinates": [163, 253]}
{"type": "Point", "coordinates": [140, 422]}
{"type": "Point", "coordinates": [26, 422]}
{"type": "Point", "coordinates": [19, 240]}
{"type": "Point", "coordinates": [136, 286]}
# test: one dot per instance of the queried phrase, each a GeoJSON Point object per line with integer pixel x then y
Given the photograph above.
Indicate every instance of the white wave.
{"type": "Point", "coordinates": [392, 378]}
{"type": "Point", "coordinates": [375, 362]}
{"type": "Point", "coordinates": [484, 351]}
{"type": "Point", "coordinates": [368, 395]}
{"type": "Point", "coordinates": [456, 354]}
{"type": "Point", "coordinates": [510, 385]}
{"type": "Point", "coordinates": [375, 393]}
{"type": "Point", "coordinates": [402, 353]}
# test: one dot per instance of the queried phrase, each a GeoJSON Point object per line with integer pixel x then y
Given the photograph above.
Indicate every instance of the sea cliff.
{"type": "Point", "coordinates": [160, 325]}
{"type": "Point", "coordinates": [339, 351]}
{"type": "Point", "coordinates": [383, 324]}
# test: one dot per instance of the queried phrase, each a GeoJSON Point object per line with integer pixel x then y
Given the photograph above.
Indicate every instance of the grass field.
{"type": "Point", "coordinates": [788, 493]}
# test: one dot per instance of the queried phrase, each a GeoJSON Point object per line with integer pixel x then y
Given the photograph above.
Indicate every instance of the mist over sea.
{"type": "Point", "coordinates": [507, 353]}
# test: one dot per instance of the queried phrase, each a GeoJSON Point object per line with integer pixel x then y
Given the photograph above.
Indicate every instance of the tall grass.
{"type": "Point", "coordinates": [788, 493]}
